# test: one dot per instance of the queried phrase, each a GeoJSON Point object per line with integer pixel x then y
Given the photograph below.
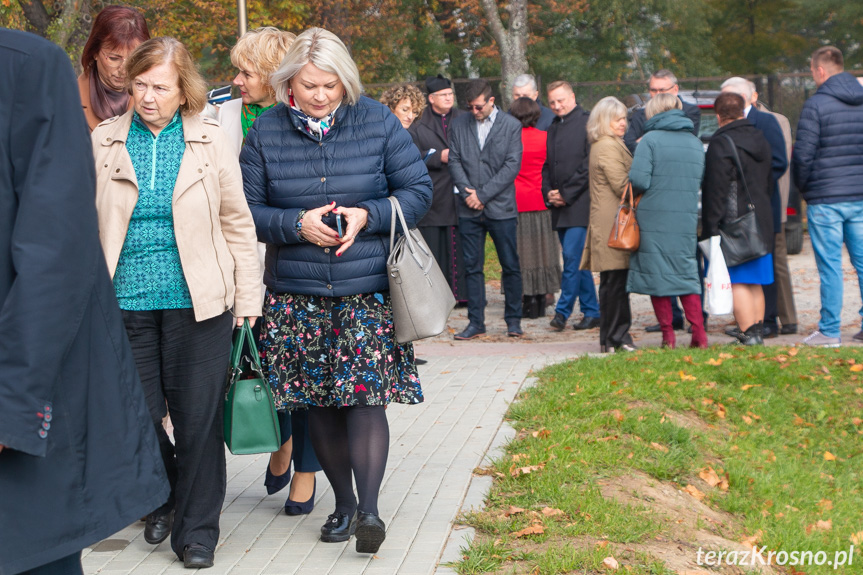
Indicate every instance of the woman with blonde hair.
{"type": "Point", "coordinates": [609, 174]}
{"type": "Point", "coordinates": [667, 170]}
{"type": "Point", "coordinates": [318, 172]}
{"type": "Point", "coordinates": [258, 54]}
{"type": "Point", "coordinates": [179, 241]}
{"type": "Point", "coordinates": [406, 102]}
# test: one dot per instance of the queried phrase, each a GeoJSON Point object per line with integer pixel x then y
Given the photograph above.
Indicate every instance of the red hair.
{"type": "Point", "coordinates": [114, 27]}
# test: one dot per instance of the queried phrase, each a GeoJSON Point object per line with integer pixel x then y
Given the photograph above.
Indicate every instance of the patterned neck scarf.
{"type": "Point", "coordinates": [105, 102]}
{"type": "Point", "coordinates": [249, 114]}
{"type": "Point", "coordinates": [317, 128]}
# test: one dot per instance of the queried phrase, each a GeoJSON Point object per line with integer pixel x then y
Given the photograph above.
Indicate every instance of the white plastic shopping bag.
{"type": "Point", "coordinates": [717, 285]}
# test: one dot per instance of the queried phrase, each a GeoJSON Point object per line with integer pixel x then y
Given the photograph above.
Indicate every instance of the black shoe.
{"type": "Point", "coordinates": [587, 323]}
{"type": "Point", "coordinates": [514, 329]}
{"type": "Point", "coordinates": [420, 361]}
{"type": "Point", "coordinates": [537, 303]}
{"type": "Point", "coordinates": [197, 557]}
{"type": "Point", "coordinates": [791, 328]}
{"type": "Point", "coordinates": [558, 322]}
{"type": "Point", "coordinates": [734, 331]}
{"type": "Point", "coordinates": [339, 527]}
{"type": "Point", "coordinates": [275, 483]}
{"type": "Point", "coordinates": [655, 328]}
{"type": "Point", "coordinates": [371, 532]}
{"type": "Point", "coordinates": [769, 331]}
{"type": "Point", "coordinates": [526, 306]}
{"type": "Point", "coordinates": [296, 508]}
{"type": "Point", "coordinates": [470, 332]}
{"type": "Point", "coordinates": [158, 528]}
{"type": "Point", "coordinates": [625, 347]}
{"type": "Point", "coordinates": [752, 336]}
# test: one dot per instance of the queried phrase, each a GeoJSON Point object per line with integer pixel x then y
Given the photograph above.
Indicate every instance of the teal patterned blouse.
{"type": "Point", "coordinates": [149, 275]}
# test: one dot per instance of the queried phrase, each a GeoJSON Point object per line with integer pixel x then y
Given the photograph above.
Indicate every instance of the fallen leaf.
{"type": "Point", "coordinates": [793, 351]}
{"type": "Point", "coordinates": [771, 457]}
{"type": "Point", "coordinates": [611, 563]}
{"type": "Point", "coordinates": [541, 434]}
{"type": "Point", "coordinates": [747, 420]}
{"type": "Point", "coordinates": [800, 421]}
{"type": "Point", "coordinates": [825, 505]}
{"type": "Point", "coordinates": [707, 401]}
{"type": "Point", "coordinates": [724, 482]}
{"type": "Point", "coordinates": [535, 529]}
{"type": "Point", "coordinates": [516, 471]}
{"type": "Point", "coordinates": [603, 544]}
{"type": "Point", "coordinates": [857, 421]}
{"type": "Point", "coordinates": [694, 491]}
{"type": "Point", "coordinates": [857, 538]}
{"type": "Point", "coordinates": [749, 386]}
{"type": "Point", "coordinates": [685, 376]}
{"type": "Point", "coordinates": [709, 476]}
{"type": "Point", "coordinates": [617, 414]}
{"type": "Point", "coordinates": [752, 540]}
{"type": "Point", "coordinates": [607, 438]}
{"type": "Point", "coordinates": [551, 512]}
{"type": "Point", "coordinates": [857, 367]}
{"type": "Point", "coordinates": [820, 525]}
{"type": "Point", "coordinates": [713, 361]}
{"type": "Point", "coordinates": [720, 411]}
{"type": "Point", "coordinates": [829, 456]}
{"type": "Point", "coordinates": [726, 356]}
{"type": "Point", "coordinates": [658, 447]}
{"type": "Point", "coordinates": [513, 510]}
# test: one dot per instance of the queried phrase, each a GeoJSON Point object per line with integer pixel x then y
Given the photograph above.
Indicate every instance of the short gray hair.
{"type": "Point", "coordinates": [662, 103]}
{"type": "Point", "coordinates": [605, 111]}
{"type": "Point", "coordinates": [524, 80]}
{"type": "Point", "coordinates": [740, 86]}
{"type": "Point", "coordinates": [328, 53]}
{"type": "Point", "coordinates": [665, 74]}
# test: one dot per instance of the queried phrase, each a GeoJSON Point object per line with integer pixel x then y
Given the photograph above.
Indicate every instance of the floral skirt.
{"type": "Point", "coordinates": [335, 352]}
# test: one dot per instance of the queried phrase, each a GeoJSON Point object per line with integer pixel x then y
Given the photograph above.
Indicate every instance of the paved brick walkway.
{"type": "Point", "coordinates": [433, 449]}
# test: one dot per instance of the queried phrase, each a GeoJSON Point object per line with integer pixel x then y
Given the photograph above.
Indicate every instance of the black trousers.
{"type": "Point", "coordinates": [615, 315]}
{"type": "Point", "coordinates": [183, 366]}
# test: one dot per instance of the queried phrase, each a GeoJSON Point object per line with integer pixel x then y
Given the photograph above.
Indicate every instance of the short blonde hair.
{"type": "Point", "coordinates": [606, 111]}
{"type": "Point", "coordinates": [328, 53]}
{"type": "Point", "coordinates": [157, 51]}
{"type": "Point", "coordinates": [262, 50]}
{"type": "Point", "coordinates": [395, 94]}
{"type": "Point", "coordinates": [662, 103]}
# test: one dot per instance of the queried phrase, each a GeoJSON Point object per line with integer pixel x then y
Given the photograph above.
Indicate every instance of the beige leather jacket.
{"type": "Point", "coordinates": [212, 222]}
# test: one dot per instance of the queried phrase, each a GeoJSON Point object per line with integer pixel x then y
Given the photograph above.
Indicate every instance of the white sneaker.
{"type": "Point", "coordinates": [818, 339]}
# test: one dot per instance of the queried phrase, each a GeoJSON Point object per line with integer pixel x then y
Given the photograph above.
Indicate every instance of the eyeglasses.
{"type": "Point", "coordinates": [660, 90]}
{"type": "Point", "coordinates": [479, 108]}
{"type": "Point", "coordinates": [113, 60]}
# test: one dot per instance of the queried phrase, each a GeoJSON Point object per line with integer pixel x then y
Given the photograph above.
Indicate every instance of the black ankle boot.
{"type": "Point", "coordinates": [535, 301]}
{"type": "Point", "coordinates": [526, 305]}
{"type": "Point", "coordinates": [753, 335]}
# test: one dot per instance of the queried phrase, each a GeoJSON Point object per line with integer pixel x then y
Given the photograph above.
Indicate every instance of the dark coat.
{"type": "Point", "coordinates": [428, 132]}
{"type": "Point", "coordinates": [827, 164]}
{"type": "Point", "coordinates": [81, 460]}
{"type": "Point", "coordinates": [720, 171]}
{"type": "Point", "coordinates": [546, 117]}
{"type": "Point", "coordinates": [769, 126]}
{"type": "Point", "coordinates": [567, 168]}
{"type": "Point", "coordinates": [366, 157]}
{"type": "Point", "coordinates": [667, 168]}
{"type": "Point", "coordinates": [635, 129]}
{"type": "Point", "coordinates": [490, 171]}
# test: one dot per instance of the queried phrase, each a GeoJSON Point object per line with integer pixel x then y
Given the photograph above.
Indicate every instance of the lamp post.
{"type": "Point", "coordinates": [242, 21]}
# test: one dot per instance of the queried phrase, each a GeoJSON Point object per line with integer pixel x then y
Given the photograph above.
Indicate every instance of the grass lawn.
{"type": "Point", "coordinates": [492, 264]}
{"type": "Point", "coordinates": [643, 458]}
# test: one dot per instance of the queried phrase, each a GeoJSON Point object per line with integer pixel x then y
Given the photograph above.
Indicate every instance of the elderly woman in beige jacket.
{"type": "Point", "coordinates": [179, 240]}
{"type": "Point", "coordinates": [609, 173]}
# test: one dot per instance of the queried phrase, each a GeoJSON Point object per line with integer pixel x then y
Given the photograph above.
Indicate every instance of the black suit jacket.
{"type": "Point", "coordinates": [428, 132]}
{"type": "Point", "coordinates": [636, 124]}
{"type": "Point", "coordinates": [779, 161]}
{"type": "Point", "coordinates": [566, 169]}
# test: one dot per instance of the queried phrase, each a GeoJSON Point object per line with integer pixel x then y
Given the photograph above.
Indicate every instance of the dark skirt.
{"type": "Point", "coordinates": [538, 253]}
{"type": "Point", "coordinates": [336, 352]}
{"type": "Point", "coordinates": [445, 244]}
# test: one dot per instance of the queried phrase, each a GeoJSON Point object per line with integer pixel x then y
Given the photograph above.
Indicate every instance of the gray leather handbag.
{"type": "Point", "coordinates": [421, 298]}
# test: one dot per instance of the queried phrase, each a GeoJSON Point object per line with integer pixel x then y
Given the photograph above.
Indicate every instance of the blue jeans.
{"type": "Point", "coordinates": [575, 283]}
{"type": "Point", "coordinates": [831, 225]}
{"type": "Point", "coordinates": [503, 234]}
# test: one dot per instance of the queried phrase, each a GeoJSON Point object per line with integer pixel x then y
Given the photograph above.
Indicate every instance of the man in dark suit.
{"type": "Point", "coordinates": [769, 126]}
{"type": "Point", "coordinates": [484, 159]}
{"type": "Point", "coordinates": [439, 227]}
{"type": "Point", "coordinates": [661, 82]}
{"type": "Point", "coordinates": [566, 188]}
{"type": "Point", "coordinates": [524, 86]}
{"type": "Point", "coordinates": [79, 458]}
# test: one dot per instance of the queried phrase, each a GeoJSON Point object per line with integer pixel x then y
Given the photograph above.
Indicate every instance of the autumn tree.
{"type": "Point", "coordinates": [508, 24]}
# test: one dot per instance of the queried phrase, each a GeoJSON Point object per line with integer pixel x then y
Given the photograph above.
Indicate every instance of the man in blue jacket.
{"type": "Point", "coordinates": [484, 159]}
{"type": "Point", "coordinates": [827, 166]}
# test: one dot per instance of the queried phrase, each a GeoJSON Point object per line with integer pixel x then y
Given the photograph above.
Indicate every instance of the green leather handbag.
{"type": "Point", "coordinates": [250, 422]}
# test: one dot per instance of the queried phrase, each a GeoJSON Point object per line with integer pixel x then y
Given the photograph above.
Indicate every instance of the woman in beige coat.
{"type": "Point", "coordinates": [179, 240]}
{"type": "Point", "coordinates": [609, 173]}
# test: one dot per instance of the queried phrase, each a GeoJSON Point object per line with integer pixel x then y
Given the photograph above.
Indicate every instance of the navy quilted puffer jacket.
{"type": "Point", "coordinates": [828, 156]}
{"type": "Point", "coordinates": [365, 157]}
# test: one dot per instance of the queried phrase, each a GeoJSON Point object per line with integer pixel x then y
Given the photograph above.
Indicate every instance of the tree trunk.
{"type": "Point", "coordinates": [512, 42]}
{"type": "Point", "coordinates": [36, 15]}
{"type": "Point", "coordinates": [68, 26]}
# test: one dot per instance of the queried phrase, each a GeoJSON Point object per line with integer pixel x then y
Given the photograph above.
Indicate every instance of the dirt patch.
{"type": "Point", "coordinates": [687, 420]}
{"type": "Point", "coordinates": [689, 525]}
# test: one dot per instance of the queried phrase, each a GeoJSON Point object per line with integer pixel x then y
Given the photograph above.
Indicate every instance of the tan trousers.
{"type": "Point", "coordinates": [786, 310]}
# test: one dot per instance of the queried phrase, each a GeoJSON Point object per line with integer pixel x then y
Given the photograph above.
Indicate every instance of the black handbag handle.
{"type": "Point", "coordinates": [739, 168]}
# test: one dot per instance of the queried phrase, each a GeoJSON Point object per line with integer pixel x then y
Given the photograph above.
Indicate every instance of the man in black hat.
{"type": "Point", "coordinates": [439, 227]}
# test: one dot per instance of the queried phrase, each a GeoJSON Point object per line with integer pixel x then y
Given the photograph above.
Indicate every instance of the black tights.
{"type": "Point", "coordinates": [352, 439]}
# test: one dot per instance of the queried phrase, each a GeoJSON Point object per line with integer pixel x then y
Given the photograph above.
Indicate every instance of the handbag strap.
{"type": "Point", "coordinates": [739, 168]}
{"type": "Point", "coordinates": [627, 191]}
{"type": "Point", "coordinates": [397, 213]}
{"type": "Point", "coordinates": [244, 334]}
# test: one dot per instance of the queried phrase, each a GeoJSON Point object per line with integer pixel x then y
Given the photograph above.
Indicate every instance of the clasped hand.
{"type": "Point", "coordinates": [315, 231]}
{"type": "Point", "coordinates": [472, 200]}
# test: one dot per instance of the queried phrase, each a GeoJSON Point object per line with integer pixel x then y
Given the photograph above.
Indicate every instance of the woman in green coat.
{"type": "Point", "coordinates": [667, 169]}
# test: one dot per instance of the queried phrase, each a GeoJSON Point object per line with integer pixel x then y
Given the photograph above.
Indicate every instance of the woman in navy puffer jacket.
{"type": "Point", "coordinates": [327, 153]}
